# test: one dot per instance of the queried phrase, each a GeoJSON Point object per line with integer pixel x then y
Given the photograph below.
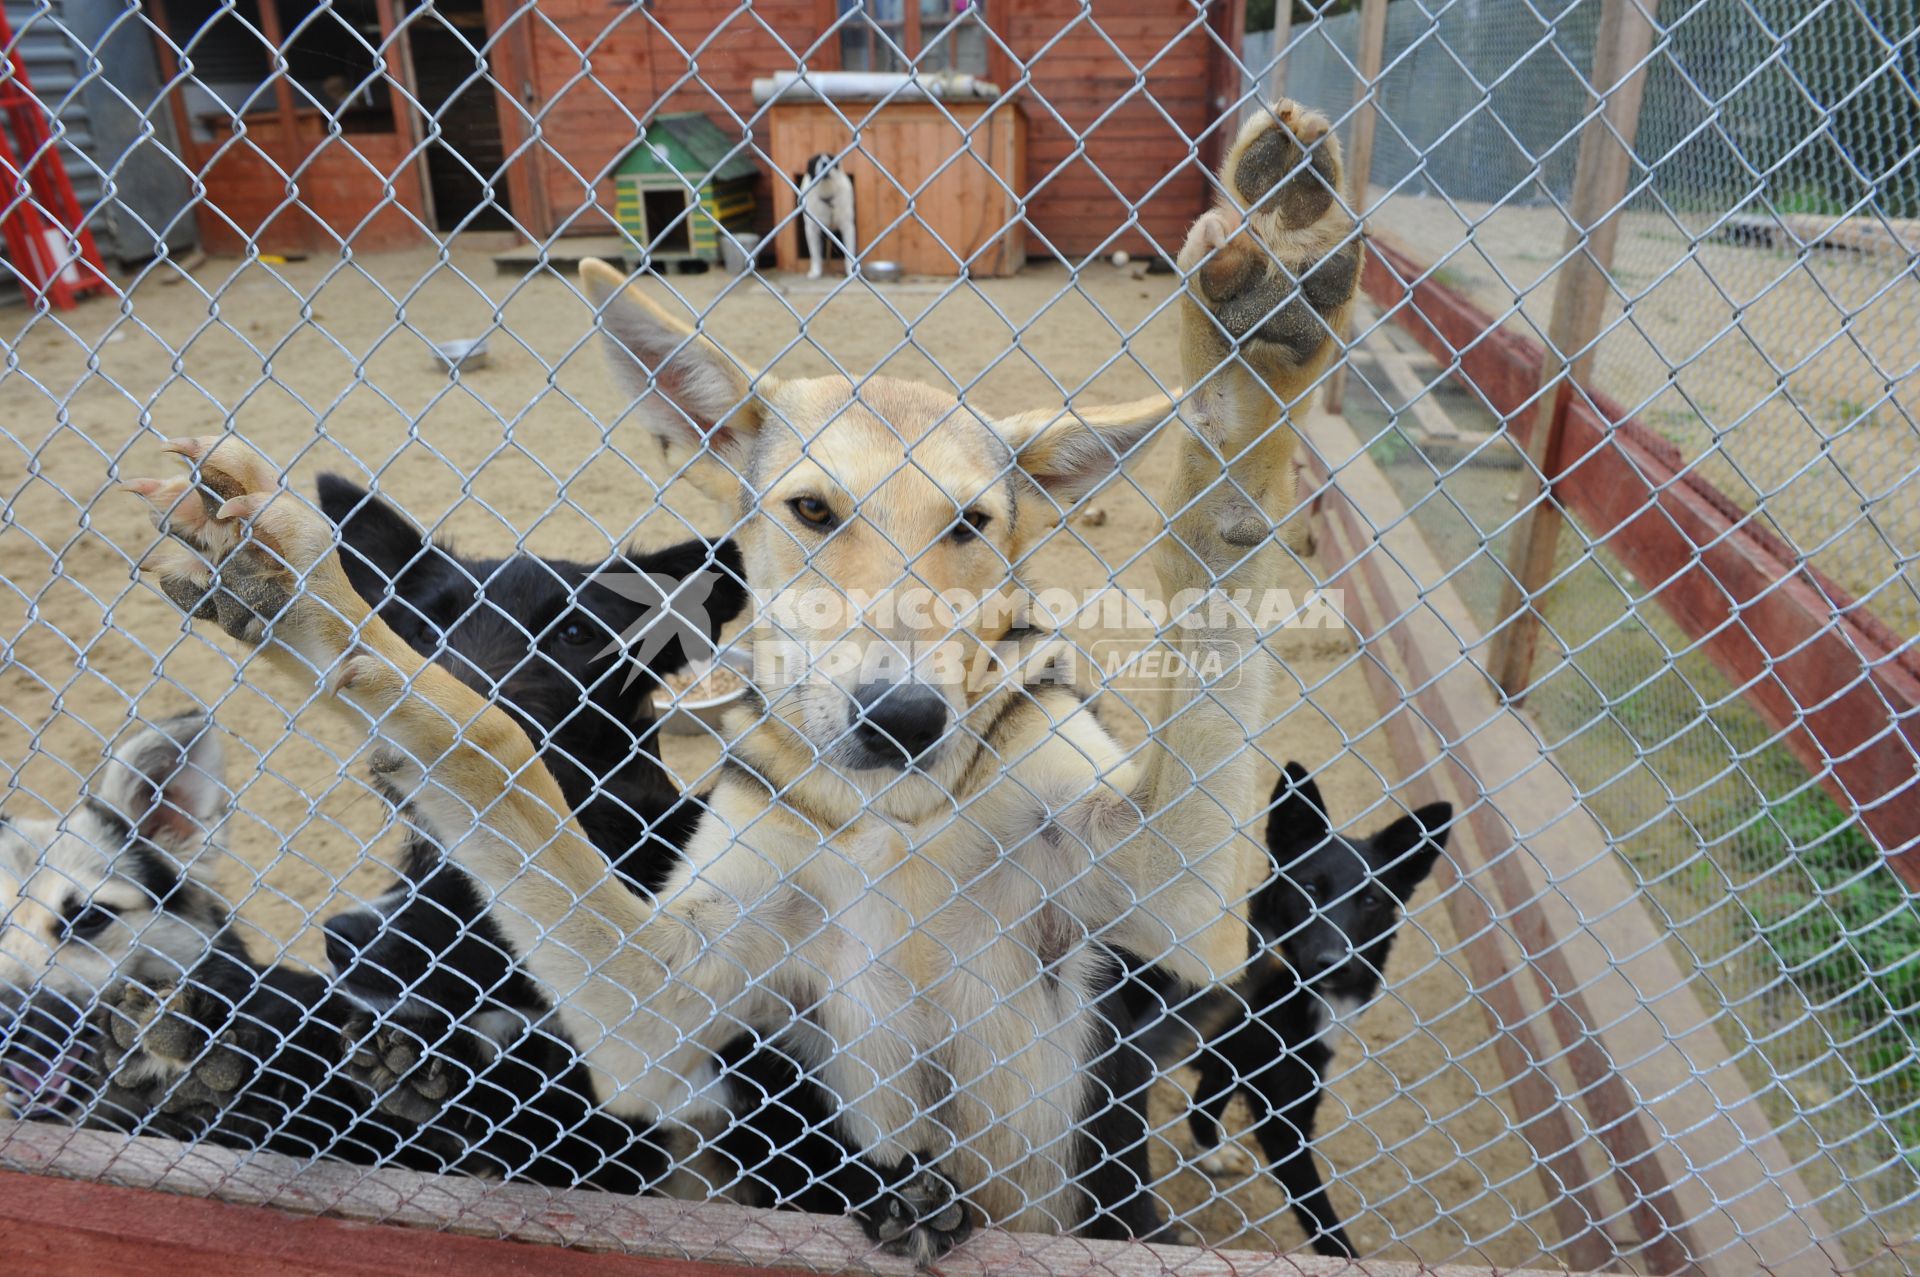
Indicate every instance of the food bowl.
{"type": "Point", "coordinates": [882, 272]}
{"type": "Point", "coordinates": [704, 690]}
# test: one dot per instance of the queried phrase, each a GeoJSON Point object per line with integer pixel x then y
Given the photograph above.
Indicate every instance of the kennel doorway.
{"type": "Point", "coordinates": [447, 41]}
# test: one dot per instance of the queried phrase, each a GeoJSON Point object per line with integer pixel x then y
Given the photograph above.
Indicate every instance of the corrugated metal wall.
{"type": "Point", "coordinates": [91, 62]}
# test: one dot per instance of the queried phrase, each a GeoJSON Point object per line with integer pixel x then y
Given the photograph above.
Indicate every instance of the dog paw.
{"type": "Point", "coordinates": [175, 1047]}
{"type": "Point", "coordinates": [242, 551]}
{"type": "Point", "coordinates": [1228, 1161]}
{"type": "Point", "coordinates": [1276, 261]}
{"type": "Point", "coordinates": [409, 1079]}
{"type": "Point", "coordinates": [921, 1217]}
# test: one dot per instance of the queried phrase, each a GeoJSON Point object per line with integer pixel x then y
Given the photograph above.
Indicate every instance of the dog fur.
{"type": "Point", "coordinates": [455, 1053]}
{"type": "Point", "coordinates": [1327, 921]}
{"type": "Point", "coordinates": [951, 1014]}
{"type": "Point", "coordinates": [826, 208]}
{"type": "Point", "coordinates": [113, 892]}
{"type": "Point", "coordinates": [116, 954]}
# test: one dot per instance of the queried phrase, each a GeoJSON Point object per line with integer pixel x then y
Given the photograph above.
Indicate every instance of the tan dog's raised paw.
{"type": "Point", "coordinates": [244, 552]}
{"type": "Point", "coordinates": [1276, 263]}
{"type": "Point", "coordinates": [1272, 270]}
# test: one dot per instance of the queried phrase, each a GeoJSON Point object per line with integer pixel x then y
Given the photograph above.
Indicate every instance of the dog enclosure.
{"type": "Point", "coordinates": [1613, 491]}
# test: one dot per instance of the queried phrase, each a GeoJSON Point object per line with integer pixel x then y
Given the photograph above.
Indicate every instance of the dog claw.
{"type": "Point", "coordinates": [192, 447]}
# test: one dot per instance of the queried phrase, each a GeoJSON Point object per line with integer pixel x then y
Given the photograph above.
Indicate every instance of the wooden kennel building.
{"type": "Point", "coordinates": [369, 139]}
{"type": "Point", "coordinates": [1111, 112]}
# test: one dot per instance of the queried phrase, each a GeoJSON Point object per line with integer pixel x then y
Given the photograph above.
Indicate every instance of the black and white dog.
{"type": "Point", "coordinates": [1327, 919]}
{"type": "Point", "coordinates": [116, 952]}
{"type": "Point", "coordinates": [113, 892]}
{"type": "Point", "coordinates": [826, 208]}
{"type": "Point", "coordinates": [462, 1043]}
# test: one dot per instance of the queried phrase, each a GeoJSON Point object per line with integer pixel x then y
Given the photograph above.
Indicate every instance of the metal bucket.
{"type": "Point", "coordinates": [738, 252]}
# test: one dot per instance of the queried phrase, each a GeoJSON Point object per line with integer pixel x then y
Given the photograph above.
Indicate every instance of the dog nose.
{"type": "Point", "coordinates": [347, 934]}
{"type": "Point", "coordinates": [899, 721]}
{"type": "Point", "coordinates": [1328, 959]}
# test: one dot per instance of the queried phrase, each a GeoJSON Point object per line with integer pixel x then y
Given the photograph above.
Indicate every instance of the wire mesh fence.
{"type": "Point", "coordinates": [959, 805]}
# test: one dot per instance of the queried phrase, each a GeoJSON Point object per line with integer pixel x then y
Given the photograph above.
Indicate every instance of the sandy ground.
{"type": "Point", "coordinates": [326, 367]}
{"type": "Point", "coordinates": [1787, 379]}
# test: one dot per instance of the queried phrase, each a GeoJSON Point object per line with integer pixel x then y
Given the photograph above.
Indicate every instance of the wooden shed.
{"type": "Point", "coordinates": [682, 182]}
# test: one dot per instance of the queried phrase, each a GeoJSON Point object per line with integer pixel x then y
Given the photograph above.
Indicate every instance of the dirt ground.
{"type": "Point", "coordinates": [1788, 380]}
{"type": "Point", "coordinates": [327, 367]}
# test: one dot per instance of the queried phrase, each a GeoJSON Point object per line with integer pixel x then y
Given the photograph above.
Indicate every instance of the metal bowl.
{"type": "Point", "coordinates": [882, 272]}
{"type": "Point", "coordinates": [702, 717]}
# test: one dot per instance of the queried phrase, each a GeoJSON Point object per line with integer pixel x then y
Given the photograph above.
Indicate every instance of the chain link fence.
{"type": "Point", "coordinates": [1650, 1009]}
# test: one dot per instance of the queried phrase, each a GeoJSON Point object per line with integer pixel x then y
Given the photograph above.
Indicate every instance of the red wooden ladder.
{"type": "Point", "coordinates": [52, 251]}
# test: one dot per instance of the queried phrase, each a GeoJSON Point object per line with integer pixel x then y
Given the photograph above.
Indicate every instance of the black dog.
{"type": "Point", "coordinates": [1328, 919]}
{"type": "Point", "coordinates": [464, 1046]}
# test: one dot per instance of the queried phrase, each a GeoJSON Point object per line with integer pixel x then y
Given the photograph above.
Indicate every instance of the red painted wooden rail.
{"type": "Point", "coordinates": [1836, 683]}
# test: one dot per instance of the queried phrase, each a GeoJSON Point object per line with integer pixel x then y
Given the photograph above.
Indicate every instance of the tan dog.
{"type": "Point", "coordinates": [916, 881]}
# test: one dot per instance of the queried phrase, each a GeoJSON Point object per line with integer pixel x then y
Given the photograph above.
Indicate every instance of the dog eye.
{"type": "Point", "coordinates": [972, 524]}
{"type": "Point", "coordinates": [576, 632]}
{"type": "Point", "coordinates": [85, 920]}
{"type": "Point", "coordinates": [812, 511]}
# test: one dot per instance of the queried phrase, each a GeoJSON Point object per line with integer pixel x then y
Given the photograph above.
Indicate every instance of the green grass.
{"type": "Point", "coordinates": [1848, 411]}
{"type": "Point", "coordinates": [1846, 931]}
{"type": "Point", "coordinates": [1389, 446]}
{"type": "Point", "coordinates": [1808, 199]}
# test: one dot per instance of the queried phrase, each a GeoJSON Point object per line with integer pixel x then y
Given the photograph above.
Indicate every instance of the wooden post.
{"type": "Point", "coordinates": [1227, 21]}
{"type": "Point", "coordinates": [1282, 36]}
{"type": "Point", "coordinates": [396, 52]}
{"type": "Point", "coordinates": [515, 91]}
{"type": "Point", "coordinates": [1621, 48]}
{"type": "Point", "coordinates": [282, 86]}
{"type": "Point", "coordinates": [1366, 119]}
{"type": "Point", "coordinates": [168, 55]}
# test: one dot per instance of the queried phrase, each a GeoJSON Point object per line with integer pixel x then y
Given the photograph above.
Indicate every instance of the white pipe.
{"type": "Point", "coordinates": [842, 86]}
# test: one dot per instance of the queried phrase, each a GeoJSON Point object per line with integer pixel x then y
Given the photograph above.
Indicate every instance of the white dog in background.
{"type": "Point", "coordinates": [826, 205]}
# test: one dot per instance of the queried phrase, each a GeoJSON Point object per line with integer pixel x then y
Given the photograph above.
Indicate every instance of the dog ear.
{"type": "Point", "coordinates": [729, 594]}
{"type": "Point", "coordinates": [1404, 851]}
{"type": "Point", "coordinates": [718, 599]}
{"type": "Point", "coordinates": [167, 781]}
{"type": "Point", "coordinates": [686, 389]}
{"type": "Point", "coordinates": [1298, 822]}
{"type": "Point", "coordinates": [382, 550]}
{"type": "Point", "coordinates": [1069, 454]}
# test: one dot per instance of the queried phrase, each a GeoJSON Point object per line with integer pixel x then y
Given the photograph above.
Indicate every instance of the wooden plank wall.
{"type": "Point", "coordinates": [343, 195]}
{"type": "Point", "coordinates": [267, 1196]}
{"type": "Point", "coordinates": [1645, 1128]}
{"type": "Point", "coordinates": [1115, 101]}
